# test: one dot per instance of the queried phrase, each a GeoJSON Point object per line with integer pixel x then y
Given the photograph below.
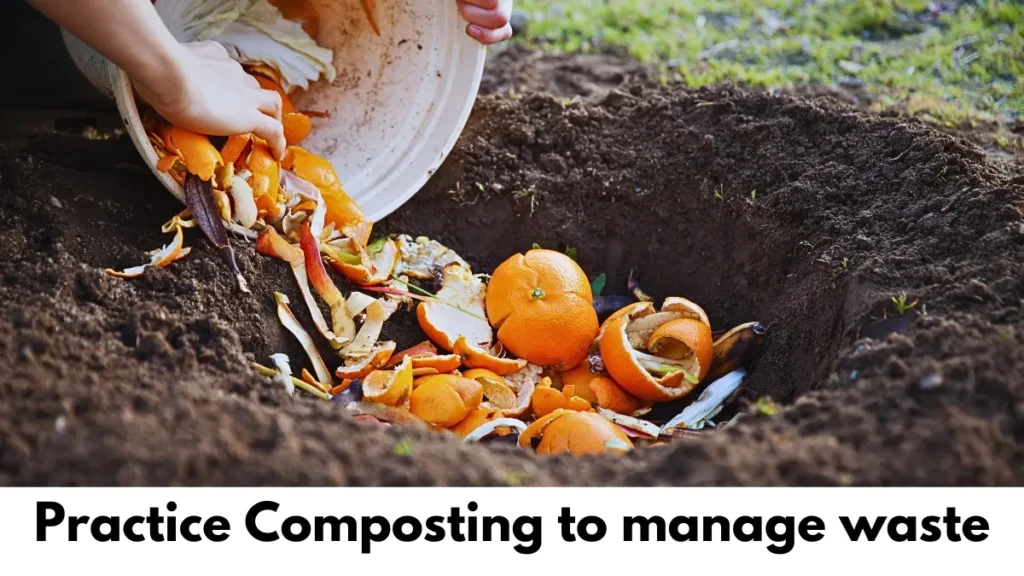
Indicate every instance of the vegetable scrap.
{"type": "Point", "coordinates": [517, 355]}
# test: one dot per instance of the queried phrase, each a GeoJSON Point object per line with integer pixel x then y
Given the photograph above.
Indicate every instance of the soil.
{"type": "Point", "coordinates": [806, 215]}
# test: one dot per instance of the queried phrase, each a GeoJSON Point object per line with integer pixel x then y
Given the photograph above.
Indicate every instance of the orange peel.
{"type": "Point", "coordinates": [372, 324]}
{"type": "Point", "coordinates": [476, 419]}
{"type": "Point", "coordinates": [421, 257]}
{"type": "Point", "coordinates": [457, 312]}
{"type": "Point", "coordinates": [194, 150]}
{"type": "Point", "coordinates": [377, 359]}
{"type": "Point", "coordinates": [577, 433]}
{"type": "Point", "coordinates": [382, 264]}
{"type": "Point", "coordinates": [425, 348]}
{"type": "Point", "coordinates": [444, 400]}
{"type": "Point", "coordinates": [297, 127]}
{"type": "Point", "coordinates": [370, 9]}
{"type": "Point", "coordinates": [611, 396]}
{"type": "Point", "coordinates": [164, 256]}
{"type": "Point", "coordinates": [288, 320]}
{"type": "Point", "coordinates": [341, 209]}
{"type": "Point", "coordinates": [342, 323]}
{"type": "Point", "coordinates": [579, 378]}
{"type": "Point", "coordinates": [270, 243]}
{"type": "Point", "coordinates": [657, 356]}
{"type": "Point", "coordinates": [474, 356]}
{"type": "Point", "coordinates": [547, 399]}
{"type": "Point", "coordinates": [499, 426]}
{"type": "Point", "coordinates": [497, 393]}
{"type": "Point", "coordinates": [391, 387]}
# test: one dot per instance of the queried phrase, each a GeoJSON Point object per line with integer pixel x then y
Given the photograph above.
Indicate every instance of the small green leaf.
{"type": "Point", "coordinates": [692, 379]}
{"type": "Point", "coordinates": [536, 246]}
{"type": "Point", "coordinates": [571, 252]}
{"type": "Point", "coordinates": [597, 284]}
{"type": "Point", "coordinates": [403, 447]}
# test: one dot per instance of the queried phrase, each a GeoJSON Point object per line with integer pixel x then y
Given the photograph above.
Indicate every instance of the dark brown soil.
{"type": "Point", "coordinates": [805, 215]}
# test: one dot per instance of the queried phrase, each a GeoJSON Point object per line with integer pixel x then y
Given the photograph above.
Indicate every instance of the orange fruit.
{"type": "Point", "coordinates": [445, 400]}
{"type": "Point", "coordinates": [476, 357]}
{"type": "Point", "coordinates": [458, 312]}
{"type": "Point", "coordinates": [477, 418]}
{"type": "Point", "coordinates": [576, 433]}
{"type": "Point", "coordinates": [688, 339]}
{"type": "Point", "coordinates": [542, 307]}
{"type": "Point", "coordinates": [611, 396]}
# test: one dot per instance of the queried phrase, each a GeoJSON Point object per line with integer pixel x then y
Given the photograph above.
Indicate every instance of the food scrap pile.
{"type": "Point", "coordinates": [518, 355]}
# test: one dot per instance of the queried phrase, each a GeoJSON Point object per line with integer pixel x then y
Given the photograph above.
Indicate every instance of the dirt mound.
{"type": "Point", "coordinates": [803, 215]}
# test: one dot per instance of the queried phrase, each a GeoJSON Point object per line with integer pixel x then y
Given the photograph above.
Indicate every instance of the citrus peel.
{"type": "Point", "coordinates": [499, 426]}
{"type": "Point", "coordinates": [445, 400]}
{"type": "Point", "coordinates": [292, 324]}
{"type": "Point", "coordinates": [270, 243]}
{"type": "Point", "coordinates": [378, 358]}
{"type": "Point", "coordinates": [342, 323]}
{"type": "Point", "coordinates": [382, 264]}
{"type": "Point", "coordinates": [474, 356]}
{"type": "Point", "coordinates": [577, 433]}
{"type": "Point", "coordinates": [194, 150]}
{"type": "Point", "coordinates": [476, 419]}
{"type": "Point", "coordinates": [391, 387]}
{"type": "Point", "coordinates": [160, 258]}
{"type": "Point", "coordinates": [458, 311]}
{"type": "Point", "coordinates": [610, 396]}
{"type": "Point", "coordinates": [372, 324]}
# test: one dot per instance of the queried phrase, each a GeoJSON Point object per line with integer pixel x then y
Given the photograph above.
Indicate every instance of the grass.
{"type": "Point", "coordinates": [955, 64]}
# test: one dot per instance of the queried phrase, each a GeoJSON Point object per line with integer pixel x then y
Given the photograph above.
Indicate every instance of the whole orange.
{"type": "Point", "coordinates": [542, 307]}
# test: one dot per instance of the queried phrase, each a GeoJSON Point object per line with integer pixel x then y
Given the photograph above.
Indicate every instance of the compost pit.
{"type": "Point", "coordinates": [806, 216]}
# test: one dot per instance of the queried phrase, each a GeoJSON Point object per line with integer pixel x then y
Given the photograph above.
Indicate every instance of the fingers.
{"type": "Point", "coordinates": [210, 48]}
{"type": "Point", "coordinates": [272, 131]}
{"type": "Point", "coordinates": [486, 36]}
{"type": "Point", "coordinates": [488, 19]}
{"type": "Point", "coordinates": [251, 82]}
{"type": "Point", "coordinates": [269, 102]}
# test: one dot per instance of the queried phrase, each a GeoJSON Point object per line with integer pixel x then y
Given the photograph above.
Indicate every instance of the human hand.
{"type": "Point", "coordinates": [488, 19]}
{"type": "Point", "coordinates": [207, 92]}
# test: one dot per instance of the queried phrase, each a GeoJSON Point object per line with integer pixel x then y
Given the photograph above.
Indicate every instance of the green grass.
{"type": "Point", "coordinates": [961, 65]}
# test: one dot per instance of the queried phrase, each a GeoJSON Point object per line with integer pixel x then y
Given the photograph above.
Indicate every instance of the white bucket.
{"type": "Point", "coordinates": [396, 109]}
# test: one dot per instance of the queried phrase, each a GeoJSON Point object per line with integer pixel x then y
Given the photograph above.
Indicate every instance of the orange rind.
{"type": "Point", "coordinates": [164, 256]}
{"type": "Point", "coordinates": [457, 312]}
{"type": "Point", "coordinates": [579, 378]}
{"type": "Point", "coordinates": [342, 323]}
{"type": "Point", "coordinates": [288, 320]}
{"type": "Point", "coordinates": [382, 264]}
{"type": "Point", "coordinates": [341, 209]}
{"type": "Point", "coordinates": [370, 9]}
{"type": "Point", "coordinates": [476, 419]}
{"type": "Point", "coordinates": [391, 387]}
{"type": "Point", "coordinates": [425, 348]}
{"type": "Point", "coordinates": [499, 426]}
{"type": "Point", "coordinates": [541, 305]}
{"type": "Point", "coordinates": [577, 433]}
{"type": "Point", "coordinates": [682, 349]}
{"type": "Point", "coordinates": [547, 399]}
{"type": "Point", "coordinates": [476, 357]}
{"type": "Point", "coordinates": [379, 357]}
{"type": "Point", "coordinates": [194, 150]}
{"type": "Point", "coordinates": [297, 127]}
{"type": "Point", "coordinates": [445, 400]}
{"type": "Point", "coordinates": [611, 396]}
{"type": "Point", "coordinates": [497, 393]}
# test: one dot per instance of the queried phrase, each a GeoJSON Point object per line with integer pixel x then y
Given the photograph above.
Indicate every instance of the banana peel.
{"type": "Point", "coordinates": [736, 348]}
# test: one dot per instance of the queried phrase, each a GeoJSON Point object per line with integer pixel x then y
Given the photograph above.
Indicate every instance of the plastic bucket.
{"type": "Point", "coordinates": [396, 109]}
